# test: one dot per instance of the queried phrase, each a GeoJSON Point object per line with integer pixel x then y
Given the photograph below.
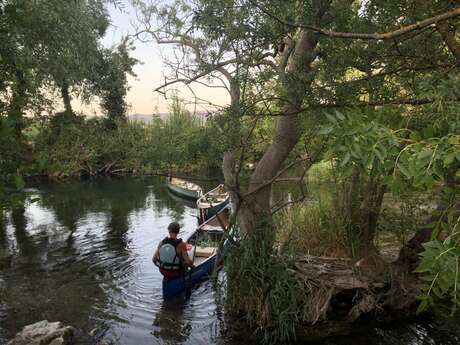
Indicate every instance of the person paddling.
{"type": "Point", "coordinates": [171, 255]}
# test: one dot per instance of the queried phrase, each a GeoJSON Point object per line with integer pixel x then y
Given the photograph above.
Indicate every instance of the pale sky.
{"type": "Point", "coordinates": [149, 71]}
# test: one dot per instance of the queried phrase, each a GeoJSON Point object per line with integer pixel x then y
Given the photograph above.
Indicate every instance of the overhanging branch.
{"type": "Point", "coordinates": [408, 101]}
{"type": "Point", "coordinates": [365, 36]}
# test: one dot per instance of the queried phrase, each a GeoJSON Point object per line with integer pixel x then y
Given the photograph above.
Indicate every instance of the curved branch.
{"type": "Point", "coordinates": [186, 81]}
{"type": "Point", "coordinates": [408, 101]}
{"type": "Point", "coordinates": [219, 67]}
{"type": "Point", "coordinates": [366, 36]}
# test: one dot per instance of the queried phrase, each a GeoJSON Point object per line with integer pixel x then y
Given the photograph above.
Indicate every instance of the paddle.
{"type": "Point", "coordinates": [188, 282]}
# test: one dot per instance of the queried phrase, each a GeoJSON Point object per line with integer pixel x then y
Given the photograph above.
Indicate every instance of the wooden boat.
{"type": "Point", "coordinates": [182, 201]}
{"type": "Point", "coordinates": [202, 247]}
{"type": "Point", "coordinates": [212, 202]}
{"type": "Point", "coordinates": [184, 189]}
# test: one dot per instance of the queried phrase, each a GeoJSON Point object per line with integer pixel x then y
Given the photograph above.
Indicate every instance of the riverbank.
{"type": "Point", "coordinates": [313, 285]}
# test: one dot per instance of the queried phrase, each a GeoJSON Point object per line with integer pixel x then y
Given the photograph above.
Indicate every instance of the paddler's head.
{"type": "Point", "coordinates": [173, 229]}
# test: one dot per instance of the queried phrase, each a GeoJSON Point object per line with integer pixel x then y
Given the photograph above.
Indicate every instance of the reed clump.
{"type": "Point", "coordinates": [313, 227]}
{"type": "Point", "coordinates": [262, 289]}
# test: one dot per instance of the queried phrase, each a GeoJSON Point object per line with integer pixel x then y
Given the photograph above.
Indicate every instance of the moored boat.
{"type": "Point", "coordinates": [202, 247]}
{"type": "Point", "coordinates": [184, 189]}
{"type": "Point", "coordinates": [212, 202]}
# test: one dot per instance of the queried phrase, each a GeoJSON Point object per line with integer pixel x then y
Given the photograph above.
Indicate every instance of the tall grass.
{"type": "Point", "coordinates": [321, 225]}
{"type": "Point", "coordinates": [262, 289]}
{"type": "Point", "coordinates": [315, 227]}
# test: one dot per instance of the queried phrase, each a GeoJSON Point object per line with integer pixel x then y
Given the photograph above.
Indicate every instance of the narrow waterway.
{"type": "Point", "coordinates": [81, 254]}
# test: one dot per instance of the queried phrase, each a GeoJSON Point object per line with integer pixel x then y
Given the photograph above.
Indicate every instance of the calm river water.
{"type": "Point", "coordinates": [82, 254]}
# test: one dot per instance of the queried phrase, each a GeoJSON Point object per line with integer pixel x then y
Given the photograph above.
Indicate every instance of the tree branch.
{"type": "Point", "coordinates": [309, 160]}
{"type": "Point", "coordinates": [366, 36]}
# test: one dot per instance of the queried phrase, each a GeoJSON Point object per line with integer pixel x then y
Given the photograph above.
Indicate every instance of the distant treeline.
{"type": "Point", "coordinates": [64, 146]}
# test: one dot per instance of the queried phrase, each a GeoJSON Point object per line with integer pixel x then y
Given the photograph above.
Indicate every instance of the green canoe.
{"type": "Point", "coordinates": [184, 189]}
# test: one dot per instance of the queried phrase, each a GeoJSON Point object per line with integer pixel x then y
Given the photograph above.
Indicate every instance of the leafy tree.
{"type": "Point", "coordinates": [111, 83]}
{"type": "Point", "coordinates": [317, 65]}
{"type": "Point", "coordinates": [50, 46]}
{"type": "Point", "coordinates": [42, 51]}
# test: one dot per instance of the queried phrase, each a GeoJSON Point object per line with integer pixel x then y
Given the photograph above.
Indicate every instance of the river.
{"type": "Point", "coordinates": [81, 254]}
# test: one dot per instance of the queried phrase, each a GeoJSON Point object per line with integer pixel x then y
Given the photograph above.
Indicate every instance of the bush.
{"type": "Point", "coordinates": [77, 146]}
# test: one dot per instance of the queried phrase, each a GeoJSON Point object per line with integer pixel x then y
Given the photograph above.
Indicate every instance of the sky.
{"type": "Point", "coordinates": [150, 71]}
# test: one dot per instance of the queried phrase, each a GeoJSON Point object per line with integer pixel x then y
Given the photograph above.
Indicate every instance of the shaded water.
{"type": "Point", "coordinates": [82, 255]}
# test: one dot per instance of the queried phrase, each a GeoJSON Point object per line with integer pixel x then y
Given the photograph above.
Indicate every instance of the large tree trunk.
{"type": "Point", "coordinates": [287, 134]}
{"type": "Point", "coordinates": [361, 203]}
{"type": "Point", "coordinates": [18, 100]}
{"type": "Point", "coordinates": [66, 98]}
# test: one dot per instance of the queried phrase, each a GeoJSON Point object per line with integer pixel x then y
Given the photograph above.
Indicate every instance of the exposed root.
{"type": "Point", "coordinates": [339, 291]}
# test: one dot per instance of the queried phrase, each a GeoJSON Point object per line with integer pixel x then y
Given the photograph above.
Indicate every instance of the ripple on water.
{"type": "Point", "coordinates": [83, 256]}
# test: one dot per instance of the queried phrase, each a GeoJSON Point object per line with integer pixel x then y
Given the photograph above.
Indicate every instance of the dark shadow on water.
{"type": "Point", "coordinates": [169, 324]}
{"type": "Point", "coordinates": [57, 271]}
{"type": "Point", "coordinates": [182, 201]}
{"type": "Point", "coordinates": [419, 331]}
{"type": "Point", "coordinates": [19, 222]}
{"type": "Point", "coordinates": [3, 235]}
{"type": "Point", "coordinates": [74, 256]}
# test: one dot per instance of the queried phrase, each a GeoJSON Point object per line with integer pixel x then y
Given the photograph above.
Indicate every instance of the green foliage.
{"type": "Point", "coordinates": [111, 80]}
{"type": "Point", "coordinates": [398, 124]}
{"type": "Point", "coordinates": [75, 146]}
{"type": "Point", "coordinates": [402, 215]}
{"type": "Point", "coordinates": [439, 267]}
{"type": "Point", "coordinates": [40, 49]}
{"type": "Point", "coordinates": [358, 141]}
{"type": "Point", "coordinates": [316, 227]}
{"type": "Point", "coordinates": [405, 158]}
{"type": "Point", "coordinates": [320, 173]}
{"type": "Point", "coordinates": [186, 140]}
{"type": "Point", "coordinates": [89, 148]}
{"type": "Point", "coordinates": [52, 45]}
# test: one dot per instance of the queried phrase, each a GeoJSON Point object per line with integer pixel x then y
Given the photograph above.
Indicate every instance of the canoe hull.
{"type": "Point", "coordinates": [184, 193]}
{"type": "Point", "coordinates": [173, 287]}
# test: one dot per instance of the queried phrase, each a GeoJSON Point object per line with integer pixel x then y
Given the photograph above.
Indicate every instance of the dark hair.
{"type": "Point", "coordinates": [174, 227]}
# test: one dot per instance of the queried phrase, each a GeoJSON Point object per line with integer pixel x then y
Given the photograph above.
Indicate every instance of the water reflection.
{"type": "Point", "coordinates": [19, 222]}
{"type": "Point", "coordinates": [169, 324]}
{"type": "Point", "coordinates": [3, 235]}
{"type": "Point", "coordinates": [82, 256]}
